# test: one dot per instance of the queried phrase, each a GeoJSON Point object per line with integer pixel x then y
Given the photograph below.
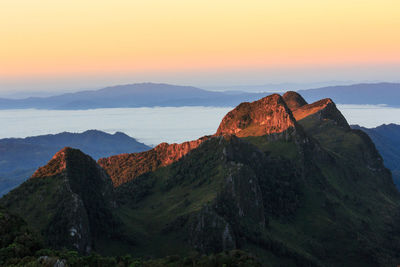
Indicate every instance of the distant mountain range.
{"type": "Point", "coordinates": [363, 93]}
{"type": "Point", "coordinates": [19, 157]}
{"type": "Point", "coordinates": [132, 95]}
{"type": "Point", "coordinates": [152, 94]}
{"type": "Point", "coordinates": [387, 140]}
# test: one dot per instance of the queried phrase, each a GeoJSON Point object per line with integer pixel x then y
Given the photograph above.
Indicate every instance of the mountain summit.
{"type": "Point", "coordinates": [75, 197]}
{"type": "Point", "coordinates": [266, 116]}
{"type": "Point", "coordinates": [294, 100]}
{"type": "Point", "coordinates": [56, 165]}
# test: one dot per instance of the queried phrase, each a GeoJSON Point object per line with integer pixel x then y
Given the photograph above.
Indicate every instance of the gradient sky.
{"type": "Point", "coordinates": [67, 44]}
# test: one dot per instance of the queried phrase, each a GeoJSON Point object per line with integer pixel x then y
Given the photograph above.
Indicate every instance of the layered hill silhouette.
{"type": "Point", "coordinates": [142, 95]}
{"type": "Point", "coordinates": [20, 157]}
{"type": "Point", "coordinates": [361, 94]}
{"type": "Point", "coordinates": [132, 95]}
{"type": "Point", "coordinates": [288, 181]}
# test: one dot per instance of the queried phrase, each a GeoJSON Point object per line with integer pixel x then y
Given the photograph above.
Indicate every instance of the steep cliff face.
{"type": "Point", "coordinates": [75, 196]}
{"type": "Point", "coordinates": [216, 198]}
{"type": "Point", "coordinates": [387, 140]}
{"type": "Point", "coordinates": [125, 167]}
{"type": "Point", "coordinates": [266, 116]}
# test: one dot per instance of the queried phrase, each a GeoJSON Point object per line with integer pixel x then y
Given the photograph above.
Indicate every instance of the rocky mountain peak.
{"type": "Point", "coordinates": [56, 165]}
{"type": "Point", "coordinates": [83, 199]}
{"type": "Point", "coordinates": [294, 100]}
{"type": "Point", "coordinates": [323, 109]}
{"type": "Point", "coordinates": [266, 116]}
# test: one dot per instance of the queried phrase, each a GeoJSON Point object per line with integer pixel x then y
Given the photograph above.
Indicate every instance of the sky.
{"type": "Point", "coordinates": [69, 44]}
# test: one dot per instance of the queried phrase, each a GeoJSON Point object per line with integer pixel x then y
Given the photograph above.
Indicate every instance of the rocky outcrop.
{"type": "Point", "coordinates": [324, 109]}
{"type": "Point", "coordinates": [209, 232]}
{"type": "Point", "coordinates": [125, 167]}
{"type": "Point", "coordinates": [268, 115]}
{"type": "Point", "coordinates": [293, 100]}
{"type": "Point", "coordinates": [254, 189]}
{"type": "Point", "coordinates": [55, 166]}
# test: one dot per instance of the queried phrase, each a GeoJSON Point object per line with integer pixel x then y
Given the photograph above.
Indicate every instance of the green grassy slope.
{"type": "Point", "coordinates": [328, 202]}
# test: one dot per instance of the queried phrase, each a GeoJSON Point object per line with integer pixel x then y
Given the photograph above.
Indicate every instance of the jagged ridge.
{"type": "Point", "coordinates": [272, 114]}
{"type": "Point", "coordinates": [125, 167]}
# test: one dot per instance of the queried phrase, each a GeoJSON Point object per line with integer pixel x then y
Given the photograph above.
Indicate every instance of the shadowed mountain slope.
{"type": "Point", "coordinates": [67, 201]}
{"type": "Point", "coordinates": [387, 141]}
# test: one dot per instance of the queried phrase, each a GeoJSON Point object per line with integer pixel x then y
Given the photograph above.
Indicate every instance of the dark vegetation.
{"type": "Point", "coordinates": [19, 246]}
{"type": "Point", "coordinates": [70, 208]}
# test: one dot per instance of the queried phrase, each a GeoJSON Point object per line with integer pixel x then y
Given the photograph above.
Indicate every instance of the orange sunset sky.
{"type": "Point", "coordinates": [88, 43]}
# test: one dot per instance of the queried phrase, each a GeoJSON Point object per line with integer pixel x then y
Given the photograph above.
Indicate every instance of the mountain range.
{"type": "Point", "coordinates": [287, 182]}
{"type": "Point", "coordinates": [20, 157]}
{"type": "Point", "coordinates": [132, 95]}
{"type": "Point", "coordinates": [359, 94]}
{"type": "Point", "coordinates": [163, 95]}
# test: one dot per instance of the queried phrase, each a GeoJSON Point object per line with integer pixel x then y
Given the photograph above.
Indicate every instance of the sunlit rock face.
{"type": "Point", "coordinates": [324, 109]}
{"type": "Point", "coordinates": [55, 166]}
{"type": "Point", "coordinates": [266, 116]}
{"type": "Point", "coordinates": [125, 167]}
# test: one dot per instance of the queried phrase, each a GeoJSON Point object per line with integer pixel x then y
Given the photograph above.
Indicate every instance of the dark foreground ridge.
{"type": "Point", "coordinates": [286, 181]}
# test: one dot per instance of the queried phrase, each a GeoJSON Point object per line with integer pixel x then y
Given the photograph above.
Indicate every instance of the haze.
{"type": "Point", "coordinates": [70, 45]}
